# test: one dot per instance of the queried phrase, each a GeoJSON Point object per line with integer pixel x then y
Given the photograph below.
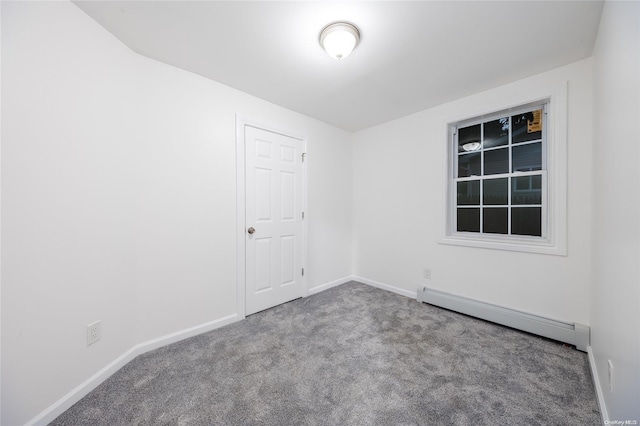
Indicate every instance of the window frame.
{"type": "Point", "coordinates": [554, 143]}
{"type": "Point", "coordinates": [509, 175]}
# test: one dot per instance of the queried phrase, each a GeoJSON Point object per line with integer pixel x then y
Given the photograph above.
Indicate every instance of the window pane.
{"type": "Point", "coordinates": [526, 190]}
{"type": "Point", "coordinates": [495, 191]}
{"type": "Point", "coordinates": [527, 157]}
{"type": "Point", "coordinates": [469, 220]}
{"type": "Point", "coordinates": [527, 126]}
{"type": "Point", "coordinates": [469, 164]}
{"type": "Point", "coordinates": [495, 220]}
{"type": "Point", "coordinates": [496, 133]}
{"type": "Point", "coordinates": [526, 221]}
{"type": "Point", "coordinates": [496, 161]}
{"type": "Point", "coordinates": [469, 138]}
{"type": "Point", "coordinates": [469, 193]}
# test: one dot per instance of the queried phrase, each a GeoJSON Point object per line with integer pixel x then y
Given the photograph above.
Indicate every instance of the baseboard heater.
{"type": "Point", "coordinates": [575, 334]}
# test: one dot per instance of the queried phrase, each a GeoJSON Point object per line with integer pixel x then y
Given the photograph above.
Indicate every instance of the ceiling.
{"type": "Point", "coordinates": [412, 55]}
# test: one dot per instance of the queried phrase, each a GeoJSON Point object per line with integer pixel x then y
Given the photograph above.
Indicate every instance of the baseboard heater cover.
{"type": "Point", "coordinates": [575, 334]}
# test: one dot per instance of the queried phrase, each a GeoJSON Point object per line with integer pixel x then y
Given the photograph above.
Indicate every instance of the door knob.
{"type": "Point", "coordinates": [251, 230]}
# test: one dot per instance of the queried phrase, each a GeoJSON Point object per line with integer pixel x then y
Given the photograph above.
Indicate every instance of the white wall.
{"type": "Point", "coordinates": [399, 202]}
{"type": "Point", "coordinates": [615, 304]}
{"type": "Point", "coordinates": [118, 200]}
{"type": "Point", "coordinates": [68, 207]}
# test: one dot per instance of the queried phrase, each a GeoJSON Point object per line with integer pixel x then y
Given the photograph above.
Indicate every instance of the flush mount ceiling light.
{"type": "Point", "coordinates": [339, 39]}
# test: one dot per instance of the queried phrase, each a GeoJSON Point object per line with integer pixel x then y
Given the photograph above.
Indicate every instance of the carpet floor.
{"type": "Point", "coordinates": [351, 355]}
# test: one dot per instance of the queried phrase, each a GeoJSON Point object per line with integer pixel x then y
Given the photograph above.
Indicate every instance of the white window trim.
{"type": "Point", "coordinates": [556, 241]}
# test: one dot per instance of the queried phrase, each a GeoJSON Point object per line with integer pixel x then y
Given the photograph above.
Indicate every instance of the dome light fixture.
{"type": "Point", "coordinates": [339, 39]}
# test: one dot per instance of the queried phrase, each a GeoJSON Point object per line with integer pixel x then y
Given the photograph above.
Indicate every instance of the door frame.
{"type": "Point", "coordinates": [241, 258]}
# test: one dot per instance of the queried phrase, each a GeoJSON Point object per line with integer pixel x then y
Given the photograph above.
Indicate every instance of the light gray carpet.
{"type": "Point", "coordinates": [352, 355]}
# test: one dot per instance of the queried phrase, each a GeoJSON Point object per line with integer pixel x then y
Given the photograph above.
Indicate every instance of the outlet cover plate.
{"type": "Point", "coordinates": [94, 330]}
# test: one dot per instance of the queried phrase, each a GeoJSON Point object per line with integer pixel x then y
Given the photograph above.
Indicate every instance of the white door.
{"type": "Point", "coordinates": [273, 222]}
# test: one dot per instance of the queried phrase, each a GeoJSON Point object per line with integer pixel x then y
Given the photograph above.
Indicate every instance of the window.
{"type": "Point", "coordinates": [499, 174]}
{"type": "Point", "coordinates": [501, 191]}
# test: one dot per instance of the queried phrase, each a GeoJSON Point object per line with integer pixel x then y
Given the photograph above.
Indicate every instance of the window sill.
{"type": "Point", "coordinates": [511, 244]}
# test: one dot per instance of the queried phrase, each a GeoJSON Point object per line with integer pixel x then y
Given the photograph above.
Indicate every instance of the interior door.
{"type": "Point", "coordinates": [273, 222]}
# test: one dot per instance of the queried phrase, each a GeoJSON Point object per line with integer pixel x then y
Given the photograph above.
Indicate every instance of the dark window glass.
{"type": "Point", "coordinates": [527, 157]}
{"type": "Point", "coordinates": [466, 138]}
{"type": "Point", "coordinates": [496, 161]}
{"type": "Point", "coordinates": [469, 220]}
{"type": "Point", "coordinates": [469, 193]}
{"type": "Point", "coordinates": [495, 220]}
{"type": "Point", "coordinates": [499, 199]}
{"type": "Point", "coordinates": [526, 127]}
{"type": "Point", "coordinates": [495, 191]}
{"type": "Point", "coordinates": [526, 221]}
{"type": "Point", "coordinates": [496, 133]}
{"type": "Point", "coordinates": [469, 164]}
{"type": "Point", "coordinates": [526, 190]}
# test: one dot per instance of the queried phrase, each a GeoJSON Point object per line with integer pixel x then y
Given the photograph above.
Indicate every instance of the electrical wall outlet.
{"type": "Point", "coordinates": [426, 273]}
{"type": "Point", "coordinates": [94, 330]}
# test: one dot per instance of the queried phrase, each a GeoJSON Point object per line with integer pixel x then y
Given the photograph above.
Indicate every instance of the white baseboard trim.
{"type": "Point", "coordinates": [322, 287]}
{"type": "Point", "coordinates": [598, 386]}
{"type": "Point", "coordinates": [186, 333]}
{"type": "Point", "coordinates": [384, 286]}
{"type": "Point", "coordinates": [573, 333]}
{"type": "Point", "coordinates": [82, 390]}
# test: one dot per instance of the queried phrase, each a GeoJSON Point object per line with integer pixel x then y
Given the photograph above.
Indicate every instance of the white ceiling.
{"type": "Point", "coordinates": [412, 56]}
